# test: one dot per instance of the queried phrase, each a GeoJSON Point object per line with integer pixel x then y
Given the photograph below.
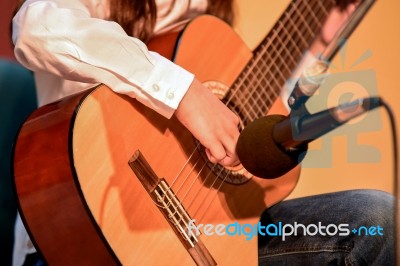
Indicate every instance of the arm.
{"type": "Point", "coordinates": [336, 18]}
{"type": "Point", "coordinates": [62, 38]}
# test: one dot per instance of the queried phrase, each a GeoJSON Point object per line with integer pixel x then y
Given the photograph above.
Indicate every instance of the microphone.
{"type": "Point", "coordinates": [273, 145]}
{"type": "Point", "coordinates": [309, 81]}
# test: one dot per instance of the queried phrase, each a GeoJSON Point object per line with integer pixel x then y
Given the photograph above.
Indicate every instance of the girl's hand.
{"type": "Point", "coordinates": [211, 122]}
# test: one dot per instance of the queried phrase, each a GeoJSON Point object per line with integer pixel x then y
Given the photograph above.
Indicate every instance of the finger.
{"type": "Point", "coordinates": [225, 161]}
{"type": "Point", "coordinates": [229, 161]}
{"type": "Point", "coordinates": [231, 158]}
{"type": "Point", "coordinates": [216, 153]}
{"type": "Point", "coordinates": [225, 158]}
{"type": "Point", "coordinates": [350, 9]}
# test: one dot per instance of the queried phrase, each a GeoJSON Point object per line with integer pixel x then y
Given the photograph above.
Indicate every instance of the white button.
{"type": "Point", "coordinates": [156, 87]}
{"type": "Point", "coordinates": [170, 95]}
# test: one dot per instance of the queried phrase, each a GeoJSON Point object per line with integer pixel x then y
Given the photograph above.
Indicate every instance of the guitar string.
{"type": "Point", "coordinates": [216, 193]}
{"type": "Point", "coordinates": [217, 175]}
{"type": "Point", "coordinates": [306, 44]}
{"type": "Point", "coordinates": [184, 166]}
{"type": "Point", "coordinates": [284, 45]}
{"type": "Point", "coordinates": [278, 83]}
{"type": "Point", "coordinates": [193, 182]}
{"type": "Point", "coordinates": [282, 30]}
{"type": "Point", "coordinates": [202, 187]}
{"type": "Point", "coordinates": [291, 36]}
{"type": "Point", "coordinates": [256, 84]}
{"type": "Point", "coordinates": [211, 198]}
{"type": "Point", "coordinates": [224, 178]}
{"type": "Point", "coordinates": [271, 68]}
{"type": "Point", "coordinates": [274, 62]}
{"type": "Point", "coordinates": [300, 15]}
{"type": "Point", "coordinates": [246, 102]}
{"type": "Point", "coordinates": [293, 4]}
{"type": "Point", "coordinates": [250, 72]}
{"type": "Point", "coordinates": [187, 175]}
{"type": "Point", "coordinates": [218, 178]}
{"type": "Point", "coordinates": [281, 58]}
{"type": "Point", "coordinates": [259, 81]}
{"type": "Point", "coordinates": [251, 112]}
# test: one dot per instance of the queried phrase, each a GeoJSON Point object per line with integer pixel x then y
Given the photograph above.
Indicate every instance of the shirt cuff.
{"type": "Point", "coordinates": [166, 86]}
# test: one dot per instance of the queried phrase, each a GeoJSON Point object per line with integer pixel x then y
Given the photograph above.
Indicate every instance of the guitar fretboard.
{"type": "Point", "coordinates": [274, 60]}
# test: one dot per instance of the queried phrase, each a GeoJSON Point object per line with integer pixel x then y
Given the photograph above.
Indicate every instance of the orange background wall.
{"type": "Point", "coordinates": [379, 33]}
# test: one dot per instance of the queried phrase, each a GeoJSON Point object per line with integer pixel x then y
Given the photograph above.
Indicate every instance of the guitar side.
{"type": "Point", "coordinates": [81, 197]}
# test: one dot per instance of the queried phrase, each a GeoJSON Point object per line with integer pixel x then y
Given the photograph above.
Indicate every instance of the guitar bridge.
{"type": "Point", "coordinates": [171, 208]}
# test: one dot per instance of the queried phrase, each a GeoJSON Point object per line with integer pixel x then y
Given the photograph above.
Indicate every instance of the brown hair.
{"type": "Point", "coordinates": [138, 17]}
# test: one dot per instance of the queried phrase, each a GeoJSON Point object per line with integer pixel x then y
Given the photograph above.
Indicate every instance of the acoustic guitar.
{"type": "Point", "coordinates": [104, 180]}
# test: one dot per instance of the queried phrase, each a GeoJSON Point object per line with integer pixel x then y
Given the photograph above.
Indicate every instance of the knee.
{"type": "Point", "coordinates": [373, 207]}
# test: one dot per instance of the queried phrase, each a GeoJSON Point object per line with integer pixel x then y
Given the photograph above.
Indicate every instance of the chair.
{"type": "Point", "coordinates": [18, 100]}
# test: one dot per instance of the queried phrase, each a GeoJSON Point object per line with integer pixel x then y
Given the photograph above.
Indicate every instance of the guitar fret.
{"type": "Point", "coordinates": [259, 55]}
{"type": "Point", "coordinates": [285, 26]}
{"type": "Point", "coordinates": [283, 58]}
{"type": "Point", "coordinates": [286, 45]}
{"type": "Point", "coordinates": [250, 112]}
{"type": "Point", "coordinates": [322, 8]}
{"type": "Point", "coordinates": [236, 92]}
{"type": "Point", "coordinates": [274, 54]}
{"type": "Point", "coordinates": [307, 16]}
{"type": "Point", "coordinates": [276, 57]}
{"type": "Point", "coordinates": [259, 86]}
{"type": "Point", "coordinates": [242, 93]}
{"type": "Point", "coordinates": [305, 23]}
{"type": "Point", "coordinates": [248, 102]}
{"type": "Point", "coordinates": [260, 103]}
{"type": "Point", "coordinates": [298, 32]}
{"type": "Point", "coordinates": [295, 45]}
{"type": "Point", "coordinates": [273, 81]}
{"type": "Point", "coordinates": [285, 39]}
{"type": "Point", "coordinates": [311, 26]}
{"type": "Point", "coordinates": [316, 20]}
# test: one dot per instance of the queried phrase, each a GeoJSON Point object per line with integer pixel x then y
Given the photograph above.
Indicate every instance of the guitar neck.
{"type": "Point", "coordinates": [275, 58]}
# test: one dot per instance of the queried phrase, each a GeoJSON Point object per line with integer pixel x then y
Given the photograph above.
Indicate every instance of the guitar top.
{"type": "Point", "coordinates": [83, 204]}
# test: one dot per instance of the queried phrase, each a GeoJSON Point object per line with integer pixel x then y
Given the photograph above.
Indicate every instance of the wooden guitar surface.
{"type": "Point", "coordinates": [82, 203]}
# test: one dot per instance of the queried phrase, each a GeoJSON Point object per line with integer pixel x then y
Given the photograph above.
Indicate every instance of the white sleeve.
{"type": "Point", "coordinates": [62, 38]}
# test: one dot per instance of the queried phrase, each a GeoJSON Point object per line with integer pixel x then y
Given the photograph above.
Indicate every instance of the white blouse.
{"type": "Point", "coordinates": [71, 46]}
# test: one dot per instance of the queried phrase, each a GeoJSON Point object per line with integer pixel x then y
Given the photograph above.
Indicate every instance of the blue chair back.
{"type": "Point", "coordinates": [17, 101]}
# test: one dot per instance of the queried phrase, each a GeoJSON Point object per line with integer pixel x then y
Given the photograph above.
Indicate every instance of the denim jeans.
{"type": "Point", "coordinates": [359, 209]}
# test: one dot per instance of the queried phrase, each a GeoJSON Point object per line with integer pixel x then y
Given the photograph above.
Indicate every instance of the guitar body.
{"type": "Point", "coordinates": [81, 201]}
